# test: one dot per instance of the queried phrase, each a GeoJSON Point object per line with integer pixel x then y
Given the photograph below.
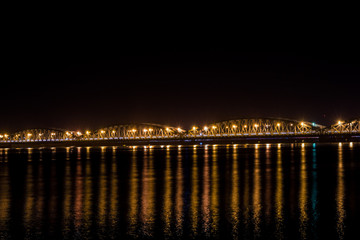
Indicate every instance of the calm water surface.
{"type": "Point", "coordinates": [298, 191]}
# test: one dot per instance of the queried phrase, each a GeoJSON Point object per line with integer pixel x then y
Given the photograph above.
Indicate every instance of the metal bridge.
{"type": "Point", "coordinates": [239, 128]}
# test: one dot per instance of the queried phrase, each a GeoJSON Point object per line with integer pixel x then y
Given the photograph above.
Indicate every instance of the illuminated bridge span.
{"type": "Point", "coordinates": [341, 127]}
{"type": "Point", "coordinates": [135, 131]}
{"type": "Point", "coordinates": [256, 127]}
{"type": "Point", "coordinates": [244, 128]}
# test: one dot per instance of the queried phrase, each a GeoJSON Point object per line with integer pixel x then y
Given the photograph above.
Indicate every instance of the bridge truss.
{"type": "Point", "coordinates": [256, 126]}
{"type": "Point", "coordinates": [136, 131]}
{"type": "Point", "coordinates": [344, 127]}
{"type": "Point", "coordinates": [42, 134]}
{"type": "Point", "coordinates": [232, 128]}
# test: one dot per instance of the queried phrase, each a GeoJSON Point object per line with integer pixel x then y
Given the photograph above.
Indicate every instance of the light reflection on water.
{"type": "Point", "coordinates": [303, 195]}
{"type": "Point", "coordinates": [235, 191]}
{"type": "Point", "coordinates": [340, 194]}
{"type": "Point", "coordinates": [279, 197]}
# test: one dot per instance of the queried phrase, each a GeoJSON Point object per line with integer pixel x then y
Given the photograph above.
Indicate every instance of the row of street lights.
{"type": "Point", "coordinates": [69, 134]}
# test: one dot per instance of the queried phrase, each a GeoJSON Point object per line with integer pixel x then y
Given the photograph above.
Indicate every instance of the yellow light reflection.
{"type": "Point", "coordinates": [114, 203]}
{"type": "Point", "coordinates": [279, 197]}
{"type": "Point", "coordinates": [246, 194]}
{"type": "Point", "coordinates": [67, 193]}
{"type": "Point", "coordinates": [235, 202]}
{"type": "Point", "coordinates": [29, 205]}
{"type": "Point", "coordinates": [179, 201]}
{"type": "Point", "coordinates": [78, 153]}
{"type": "Point", "coordinates": [147, 195]}
{"type": "Point", "coordinates": [133, 195]}
{"type": "Point", "coordinates": [340, 195]}
{"type": "Point", "coordinates": [206, 194]}
{"type": "Point", "coordinates": [102, 206]}
{"type": "Point", "coordinates": [88, 193]}
{"type": "Point", "coordinates": [67, 153]}
{"type": "Point", "coordinates": [29, 154]}
{"type": "Point", "coordinates": [257, 193]}
{"type": "Point", "coordinates": [4, 199]}
{"type": "Point", "coordinates": [78, 198]}
{"type": "Point", "coordinates": [268, 204]}
{"type": "Point", "coordinates": [214, 192]}
{"type": "Point", "coordinates": [194, 194]}
{"type": "Point", "coordinates": [87, 153]}
{"type": "Point", "coordinates": [303, 194]}
{"type": "Point", "coordinates": [167, 210]}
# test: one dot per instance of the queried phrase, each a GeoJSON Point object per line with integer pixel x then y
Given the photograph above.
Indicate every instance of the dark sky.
{"type": "Point", "coordinates": [78, 77]}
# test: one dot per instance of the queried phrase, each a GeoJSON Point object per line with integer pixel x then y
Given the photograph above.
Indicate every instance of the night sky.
{"type": "Point", "coordinates": [86, 79]}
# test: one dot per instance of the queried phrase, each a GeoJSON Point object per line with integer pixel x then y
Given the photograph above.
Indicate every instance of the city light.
{"type": "Point", "coordinates": [234, 126]}
{"type": "Point", "coordinates": [278, 124]}
{"type": "Point", "coordinates": [205, 128]}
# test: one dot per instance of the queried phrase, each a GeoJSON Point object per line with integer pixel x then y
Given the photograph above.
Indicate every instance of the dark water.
{"type": "Point", "coordinates": [255, 191]}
